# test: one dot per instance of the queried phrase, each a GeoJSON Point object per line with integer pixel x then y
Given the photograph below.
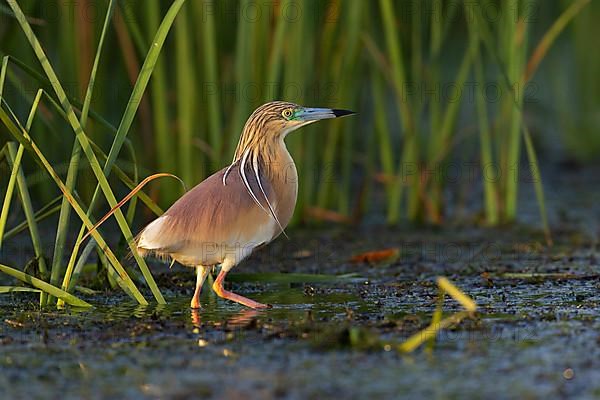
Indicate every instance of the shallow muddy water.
{"type": "Point", "coordinates": [536, 333]}
{"type": "Point", "coordinates": [531, 338]}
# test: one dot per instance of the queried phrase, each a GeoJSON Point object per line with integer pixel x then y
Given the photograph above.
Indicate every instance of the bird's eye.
{"type": "Point", "coordinates": [287, 114]}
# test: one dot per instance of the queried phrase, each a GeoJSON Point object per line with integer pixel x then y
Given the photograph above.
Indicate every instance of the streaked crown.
{"type": "Point", "coordinates": [266, 125]}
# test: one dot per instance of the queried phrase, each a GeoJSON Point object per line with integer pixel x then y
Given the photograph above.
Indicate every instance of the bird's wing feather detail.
{"type": "Point", "coordinates": [227, 173]}
{"type": "Point", "coordinates": [257, 175]}
{"type": "Point", "coordinates": [209, 217]}
{"type": "Point", "coordinates": [247, 184]}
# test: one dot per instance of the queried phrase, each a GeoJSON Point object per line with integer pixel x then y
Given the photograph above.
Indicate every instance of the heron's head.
{"type": "Point", "coordinates": [272, 121]}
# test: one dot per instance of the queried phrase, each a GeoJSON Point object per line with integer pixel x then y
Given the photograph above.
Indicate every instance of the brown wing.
{"type": "Point", "coordinates": [212, 213]}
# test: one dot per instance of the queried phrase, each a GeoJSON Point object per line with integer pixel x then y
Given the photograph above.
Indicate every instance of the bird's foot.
{"type": "Point", "coordinates": [221, 292]}
{"type": "Point", "coordinates": [242, 300]}
{"type": "Point", "coordinates": [246, 301]}
{"type": "Point", "coordinates": [262, 306]}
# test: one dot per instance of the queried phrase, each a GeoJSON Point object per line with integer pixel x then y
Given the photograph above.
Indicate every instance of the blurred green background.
{"type": "Point", "coordinates": [439, 87]}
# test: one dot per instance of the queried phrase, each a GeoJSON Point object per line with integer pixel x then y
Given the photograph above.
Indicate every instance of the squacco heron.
{"type": "Point", "coordinates": [241, 207]}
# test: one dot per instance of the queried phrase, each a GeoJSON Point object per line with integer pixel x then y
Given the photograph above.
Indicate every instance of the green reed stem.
{"type": "Point", "coordinates": [8, 197]}
{"type": "Point", "coordinates": [23, 137]}
{"type": "Point", "coordinates": [46, 211]}
{"type": "Point", "coordinates": [409, 155]}
{"type": "Point", "coordinates": [186, 102]}
{"type": "Point", "coordinates": [243, 77]}
{"type": "Point", "coordinates": [164, 143]}
{"type": "Point", "coordinates": [13, 176]}
{"type": "Point", "coordinates": [536, 176]}
{"type": "Point", "coordinates": [209, 56]}
{"type": "Point", "coordinates": [15, 156]}
{"type": "Point", "coordinates": [514, 53]}
{"type": "Point", "coordinates": [45, 287]}
{"type": "Point", "coordinates": [72, 172]}
{"type": "Point", "coordinates": [126, 121]}
{"type": "Point", "coordinates": [489, 188]}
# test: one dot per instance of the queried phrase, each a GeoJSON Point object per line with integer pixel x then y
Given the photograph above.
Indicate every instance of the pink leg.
{"type": "Point", "coordinates": [201, 272]}
{"type": "Point", "coordinates": [218, 288]}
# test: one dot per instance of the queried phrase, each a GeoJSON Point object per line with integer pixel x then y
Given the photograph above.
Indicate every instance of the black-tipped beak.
{"type": "Point", "coordinates": [341, 113]}
{"type": "Point", "coordinates": [316, 114]}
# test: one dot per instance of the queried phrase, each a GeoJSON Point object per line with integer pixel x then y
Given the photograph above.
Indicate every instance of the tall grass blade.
{"type": "Point", "coordinates": [186, 101]}
{"type": "Point", "coordinates": [13, 176]}
{"type": "Point", "coordinates": [126, 122]}
{"type": "Point", "coordinates": [491, 206]}
{"type": "Point", "coordinates": [8, 195]}
{"type": "Point", "coordinates": [15, 156]}
{"type": "Point", "coordinates": [209, 57]}
{"type": "Point", "coordinates": [514, 48]}
{"type": "Point", "coordinates": [536, 176]}
{"type": "Point", "coordinates": [81, 136]}
{"type": "Point", "coordinates": [490, 194]}
{"type": "Point", "coordinates": [243, 78]}
{"type": "Point", "coordinates": [3, 73]}
{"type": "Point", "coordinates": [49, 209]}
{"type": "Point", "coordinates": [26, 199]}
{"type": "Point", "coordinates": [164, 138]}
{"type": "Point", "coordinates": [12, 181]}
{"type": "Point", "coordinates": [517, 107]}
{"type": "Point", "coordinates": [344, 64]}
{"type": "Point", "coordinates": [23, 137]}
{"type": "Point", "coordinates": [116, 169]}
{"type": "Point", "coordinates": [99, 152]}
{"type": "Point", "coordinates": [276, 56]}
{"type": "Point", "coordinates": [551, 35]}
{"type": "Point", "coordinates": [85, 254]}
{"type": "Point", "coordinates": [45, 287]}
{"type": "Point", "coordinates": [409, 154]}
{"type": "Point", "coordinates": [447, 120]}
{"type": "Point", "coordinates": [12, 289]}
{"type": "Point", "coordinates": [129, 182]}
{"type": "Point", "coordinates": [65, 210]}
{"type": "Point", "coordinates": [123, 129]}
{"type": "Point", "coordinates": [386, 153]}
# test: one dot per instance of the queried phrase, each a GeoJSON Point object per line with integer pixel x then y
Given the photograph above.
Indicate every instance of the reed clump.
{"type": "Point", "coordinates": [96, 99]}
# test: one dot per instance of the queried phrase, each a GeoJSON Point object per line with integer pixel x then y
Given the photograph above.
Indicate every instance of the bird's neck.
{"type": "Point", "coordinates": [283, 176]}
{"type": "Point", "coordinates": [283, 163]}
{"type": "Point", "coordinates": [273, 155]}
{"type": "Point", "coordinates": [273, 162]}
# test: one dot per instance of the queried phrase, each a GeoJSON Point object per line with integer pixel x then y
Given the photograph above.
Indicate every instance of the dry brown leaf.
{"type": "Point", "coordinates": [377, 256]}
{"type": "Point", "coordinates": [322, 214]}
